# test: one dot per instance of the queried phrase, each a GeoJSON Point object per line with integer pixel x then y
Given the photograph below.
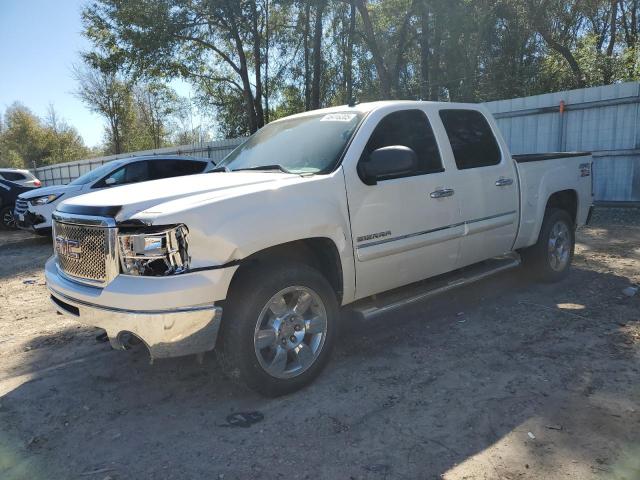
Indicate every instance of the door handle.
{"type": "Point", "coordinates": [441, 193]}
{"type": "Point", "coordinates": [503, 182]}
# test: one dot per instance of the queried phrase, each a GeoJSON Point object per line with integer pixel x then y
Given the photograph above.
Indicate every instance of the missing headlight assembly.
{"type": "Point", "coordinates": [155, 252]}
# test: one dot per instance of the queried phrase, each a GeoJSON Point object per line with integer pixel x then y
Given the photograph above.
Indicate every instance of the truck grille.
{"type": "Point", "coordinates": [83, 252]}
{"type": "Point", "coordinates": [21, 206]}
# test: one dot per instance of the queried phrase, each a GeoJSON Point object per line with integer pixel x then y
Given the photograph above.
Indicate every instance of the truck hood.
{"type": "Point", "coordinates": [123, 202]}
{"type": "Point", "coordinates": [55, 189]}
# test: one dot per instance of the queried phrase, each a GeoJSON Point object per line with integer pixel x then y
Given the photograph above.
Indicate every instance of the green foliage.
{"type": "Point", "coordinates": [26, 141]}
{"type": "Point", "coordinates": [252, 61]}
{"type": "Point", "coordinates": [139, 116]}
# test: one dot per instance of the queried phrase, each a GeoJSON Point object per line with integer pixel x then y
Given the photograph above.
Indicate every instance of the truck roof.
{"type": "Point", "coordinates": [371, 106]}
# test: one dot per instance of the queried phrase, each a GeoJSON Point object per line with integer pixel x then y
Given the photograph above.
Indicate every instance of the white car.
{"type": "Point", "coordinates": [368, 207]}
{"type": "Point", "coordinates": [33, 209]}
{"type": "Point", "coordinates": [21, 177]}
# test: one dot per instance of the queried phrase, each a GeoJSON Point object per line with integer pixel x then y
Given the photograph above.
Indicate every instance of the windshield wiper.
{"type": "Point", "coordinates": [222, 168]}
{"type": "Point", "coordinates": [264, 167]}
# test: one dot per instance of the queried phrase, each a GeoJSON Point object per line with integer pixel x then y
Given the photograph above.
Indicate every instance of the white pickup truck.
{"type": "Point", "coordinates": [370, 206]}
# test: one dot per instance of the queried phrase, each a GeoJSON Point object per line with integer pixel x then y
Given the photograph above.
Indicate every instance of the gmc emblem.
{"type": "Point", "coordinates": [68, 248]}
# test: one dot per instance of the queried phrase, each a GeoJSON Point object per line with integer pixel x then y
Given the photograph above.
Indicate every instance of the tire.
{"type": "Point", "coordinates": [268, 344]}
{"type": "Point", "coordinates": [7, 221]}
{"type": "Point", "coordinates": [550, 258]}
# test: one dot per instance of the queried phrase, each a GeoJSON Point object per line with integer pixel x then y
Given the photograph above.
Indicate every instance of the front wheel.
{"type": "Point", "coordinates": [549, 259]}
{"type": "Point", "coordinates": [7, 220]}
{"type": "Point", "coordinates": [278, 328]}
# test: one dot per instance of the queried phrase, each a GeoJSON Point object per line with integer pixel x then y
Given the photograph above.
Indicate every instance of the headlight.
{"type": "Point", "coordinates": [158, 252]}
{"type": "Point", "coordinates": [45, 199]}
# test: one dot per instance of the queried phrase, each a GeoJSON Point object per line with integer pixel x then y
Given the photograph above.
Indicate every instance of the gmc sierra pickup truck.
{"type": "Point", "coordinates": [369, 207]}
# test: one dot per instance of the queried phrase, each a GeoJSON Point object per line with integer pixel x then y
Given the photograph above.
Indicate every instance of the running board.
{"type": "Point", "coordinates": [380, 304]}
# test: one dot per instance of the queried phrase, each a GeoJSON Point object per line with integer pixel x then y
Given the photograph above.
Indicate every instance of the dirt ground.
{"type": "Point", "coordinates": [505, 379]}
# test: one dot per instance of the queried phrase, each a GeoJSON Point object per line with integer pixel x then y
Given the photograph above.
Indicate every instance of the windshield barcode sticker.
{"type": "Point", "coordinates": [338, 117]}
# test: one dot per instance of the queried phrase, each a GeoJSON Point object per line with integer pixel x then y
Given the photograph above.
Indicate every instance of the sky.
{"type": "Point", "coordinates": [40, 41]}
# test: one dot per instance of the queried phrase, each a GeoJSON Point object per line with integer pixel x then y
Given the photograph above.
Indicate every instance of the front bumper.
{"type": "Point", "coordinates": [172, 316]}
{"type": "Point", "coordinates": [34, 218]}
{"type": "Point", "coordinates": [166, 333]}
{"type": "Point", "coordinates": [29, 220]}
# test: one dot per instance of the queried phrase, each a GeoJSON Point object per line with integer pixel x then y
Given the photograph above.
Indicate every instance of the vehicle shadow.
{"type": "Point", "coordinates": [419, 393]}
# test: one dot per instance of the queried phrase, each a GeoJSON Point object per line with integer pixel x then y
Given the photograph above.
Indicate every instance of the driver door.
{"type": "Point", "coordinates": [404, 229]}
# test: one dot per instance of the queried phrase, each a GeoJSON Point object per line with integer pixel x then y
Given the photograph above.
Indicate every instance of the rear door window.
{"type": "Point", "coordinates": [409, 128]}
{"type": "Point", "coordinates": [13, 176]}
{"type": "Point", "coordinates": [175, 168]}
{"type": "Point", "coordinates": [471, 138]}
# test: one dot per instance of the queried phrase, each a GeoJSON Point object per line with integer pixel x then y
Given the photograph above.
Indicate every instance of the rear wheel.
{"type": "Point", "coordinates": [279, 327]}
{"type": "Point", "coordinates": [7, 220]}
{"type": "Point", "coordinates": [550, 258]}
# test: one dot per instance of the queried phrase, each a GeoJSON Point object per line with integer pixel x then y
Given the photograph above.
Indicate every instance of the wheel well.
{"type": "Point", "coordinates": [320, 253]}
{"type": "Point", "coordinates": [566, 200]}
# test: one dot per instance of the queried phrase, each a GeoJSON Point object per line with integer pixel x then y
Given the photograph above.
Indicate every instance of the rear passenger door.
{"type": "Point", "coordinates": [488, 191]}
{"type": "Point", "coordinates": [403, 230]}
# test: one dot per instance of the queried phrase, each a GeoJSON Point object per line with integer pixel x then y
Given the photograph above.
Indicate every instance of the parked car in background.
{"type": "Point", "coordinates": [21, 177]}
{"type": "Point", "coordinates": [33, 209]}
{"type": "Point", "coordinates": [372, 207]}
{"type": "Point", "coordinates": [9, 192]}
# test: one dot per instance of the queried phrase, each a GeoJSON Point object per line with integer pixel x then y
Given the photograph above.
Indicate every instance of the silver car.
{"type": "Point", "coordinates": [21, 177]}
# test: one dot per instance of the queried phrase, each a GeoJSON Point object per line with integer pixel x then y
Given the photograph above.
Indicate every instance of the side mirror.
{"type": "Point", "coordinates": [110, 181]}
{"type": "Point", "coordinates": [388, 162]}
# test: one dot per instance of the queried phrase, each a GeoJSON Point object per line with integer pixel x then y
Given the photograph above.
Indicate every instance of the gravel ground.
{"type": "Point", "coordinates": [505, 379]}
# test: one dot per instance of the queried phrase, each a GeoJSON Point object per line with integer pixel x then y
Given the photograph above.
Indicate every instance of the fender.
{"type": "Point", "coordinates": [224, 231]}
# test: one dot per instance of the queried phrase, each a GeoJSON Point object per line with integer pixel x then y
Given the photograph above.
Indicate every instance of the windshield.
{"type": "Point", "coordinates": [307, 144]}
{"type": "Point", "coordinates": [95, 174]}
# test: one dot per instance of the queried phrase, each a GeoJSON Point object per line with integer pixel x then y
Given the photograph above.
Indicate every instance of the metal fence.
{"type": "Point", "coordinates": [602, 120]}
{"type": "Point", "coordinates": [62, 173]}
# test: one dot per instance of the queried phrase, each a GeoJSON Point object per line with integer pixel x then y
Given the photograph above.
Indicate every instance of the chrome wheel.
{"type": "Point", "coordinates": [290, 332]}
{"type": "Point", "coordinates": [559, 248]}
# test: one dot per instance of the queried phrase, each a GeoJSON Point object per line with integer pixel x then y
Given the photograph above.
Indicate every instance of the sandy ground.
{"type": "Point", "coordinates": [506, 379]}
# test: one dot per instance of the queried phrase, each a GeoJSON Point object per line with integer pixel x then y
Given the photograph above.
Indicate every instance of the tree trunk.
{"type": "Point", "coordinates": [317, 56]}
{"type": "Point", "coordinates": [266, 62]}
{"type": "Point", "coordinates": [257, 61]}
{"type": "Point", "coordinates": [247, 93]}
{"type": "Point", "coordinates": [307, 69]}
{"type": "Point", "coordinates": [378, 59]}
{"type": "Point", "coordinates": [400, 57]}
{"type": "Point", "coordinates": [348, 67]}
{"type": "Point", "coordinates": [435, 76]}
{"type": "Point", "coordinates": [630, 22]}
{"type": "Point", "coordinates": [424, 51]}
{"type": "Point", "coordinates": [613, 29]}
{"type": "Point", "coordinates": [115, 134]}
{"type": "Point", "coordinates": [567, 55]}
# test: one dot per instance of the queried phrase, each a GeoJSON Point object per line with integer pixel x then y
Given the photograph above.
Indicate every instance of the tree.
{"type": "Point", "coordinates": [200, 40]}
{"type": "Point", "coordinates": [26, 141]}
{"type": "Point", "coordinates": [108, 95]}
{"type": "Point", "coordinates": [63, 143]}
{"type": "Point", "coordinates": [23, 138]}
{"type": "Point", "coordinates": [250, 61]}
{"type": "Point", "coordinates": [156, 104]}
